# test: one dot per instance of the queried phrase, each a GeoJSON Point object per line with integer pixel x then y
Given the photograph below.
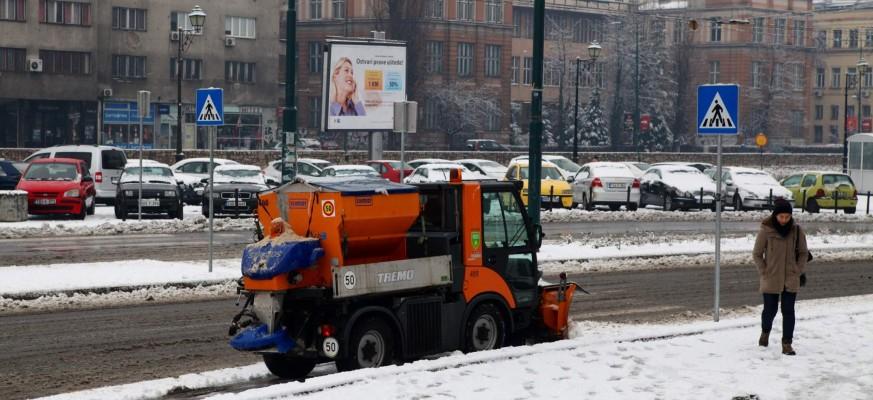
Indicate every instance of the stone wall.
{"type": "Point", "coordinates": [261, 158]}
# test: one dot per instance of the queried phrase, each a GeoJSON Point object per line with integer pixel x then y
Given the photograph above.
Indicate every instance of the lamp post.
{"type": "Point", "coordinates": [593, 52]}
{"type": "Point", "coordinates": [197, 18]}
{"type": "Point", "coordinates": [849, 82]}
{"type": "Point", "coordinates": [863, 69]}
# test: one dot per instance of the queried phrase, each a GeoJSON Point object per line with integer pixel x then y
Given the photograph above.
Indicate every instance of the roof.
{"type": "Point", "coordinates": [524, 163]}
{"type": "Point", "coordinates": [431, 160]}
{"type": "Point", "coordinates": [351, 167]}
{"type": "Point", "coordinates": [475, 160]}
{"type": "Point", "coordinates": [57, 160]}
{"type": "Point", "coordinates": [675, 167]}
{"type": "Point", "coordinates": [861, 137]}
{"type": "Point", "coordinates": [83, 147]}
{"type": "Point", "coordinates": [601, 164]}
{"type": "Point", "coordinates": [443, 166]}
{"type": "Point", "coordinates": [145, 163]}
{"type": "Point", "coordinates": [216, 160]}
{"type": "Point", "coordinates": [363, 186]}
{"type": "Point", "coordinates": [238, 167]}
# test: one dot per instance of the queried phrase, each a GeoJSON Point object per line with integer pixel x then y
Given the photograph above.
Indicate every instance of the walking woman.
{"type": "Point", "coordinates": [780, 254]}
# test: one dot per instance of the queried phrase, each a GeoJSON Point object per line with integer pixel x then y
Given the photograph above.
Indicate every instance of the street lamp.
{"type": "Point", "coordinates": [863, 69]}
{"type": "Point", "coordinates": [197, 19]}
{"type": "Point", "coordinates": [593, 52]}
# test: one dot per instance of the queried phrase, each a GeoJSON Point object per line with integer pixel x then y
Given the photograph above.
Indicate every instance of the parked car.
{"type": "Point", "coordinates": [421, 161]}
{"type": "Point", "coordinates": [350, 171]}
{"type": "Point", "coordinates": [161, 191]}
{"type": "Point", "coordinates": [485, 145]}
{"type": "Point", "coordinates": [59, 186]}
{"type": "Point", "coordinates": [9, 175]}
{"type": "Point", "coordinates": [606, 183]}
{"type": "Point", "coordinates": [638, 168]}
{"type": "Point", "coordinates": [749, 188]}
{"type": "Point", "coordinates": [236, 188]}
{"type": "Point", "coordinates": [814, 190]}
{"type": "Point", "coordinates": [700, 166]}
{"type": "Point", "coordinates": [308, 167]}
{"type": "Point", "coordinates": [105, 164]}
{"type": "Point", "coordinates": [489, 168]}
{"type": "Point", "coordinates": [554, 189]}
{"type": "Point", "coordinates": [676, 187]}
{"type": "Point", "coordinates": [191, 171]}
{"type": "Point", "coordinates": [567, 167]}
{"type": "Point", "coordinates": [390, 169]}
{"type": "Point", "coordinates": [434, 173]}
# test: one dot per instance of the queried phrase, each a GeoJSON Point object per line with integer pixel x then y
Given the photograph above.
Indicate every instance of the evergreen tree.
{"type": "Point", "coordinates": [659, 137]}
{"type": "Point", "coordinates": [594, 129]}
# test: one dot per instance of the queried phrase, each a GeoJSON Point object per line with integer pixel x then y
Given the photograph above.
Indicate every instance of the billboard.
{"type": "Point", "coordinates": [363, 80]}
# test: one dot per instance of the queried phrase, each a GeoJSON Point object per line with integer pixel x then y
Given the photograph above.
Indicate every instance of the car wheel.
{"type": "Point", "coordinates": [371, 346]}
{"type": "Point", "coordinates": [93, 207]}
{"type": "Point", "coordinates": [642, 203]}
{"type": "Point", "coordinates": [614, 207]}
{"type": "Point", "coordinates": [849, 210]}
{"type": "Point", "coordinates": [587, 204]}
{"type": "Point", "coordinates": [180, 213]}
{"type": "Point", "coordinates": [738, 203]}
{"type": "Point", "coordinates": [287, 367]}
{"type": "Point", "coordinates": [812, 206]}
{"type": "Point", "coordinates": [83, 212]}
{"type": "Point", "coordinates": [484, 329]}
{"type": "Point", "coordinates": [668, 203]}
{"type": "Point", "coordinates": [632, 206]}
{"type": "Point", "coordinates": [574, 205]}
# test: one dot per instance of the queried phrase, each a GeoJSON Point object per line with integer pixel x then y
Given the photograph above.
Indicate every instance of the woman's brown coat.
{"type": "Point", "coordinates": [779, 263]}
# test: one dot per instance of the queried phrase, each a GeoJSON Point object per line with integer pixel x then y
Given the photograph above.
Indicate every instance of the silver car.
{"type": "Point", "coordinates": [610, 184]}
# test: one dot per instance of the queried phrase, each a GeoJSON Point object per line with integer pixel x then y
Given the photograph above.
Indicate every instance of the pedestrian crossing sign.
{"type": "Point", "coordinates": [718, 110]}
{"type": "Point", "coordinates": [210, 107]}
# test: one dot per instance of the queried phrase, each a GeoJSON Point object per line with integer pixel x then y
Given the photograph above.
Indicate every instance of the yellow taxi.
{"type": "Point", "coordinates": [555, 190]}
{"type": "Point", "coordinates": [814, 190]}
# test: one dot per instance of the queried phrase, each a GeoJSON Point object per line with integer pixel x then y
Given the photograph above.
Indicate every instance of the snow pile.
{"type": "Point", "coordinates": [697, 360]}
{"type": "Point", "coordinates": [105, 223]}
{"type": "Point", "coordinates": [562, 215]}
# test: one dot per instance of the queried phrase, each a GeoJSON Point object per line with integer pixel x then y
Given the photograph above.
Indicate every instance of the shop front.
{"type": "Point", "coordinates": [46, 123]}
{"type": "Point", "coordinates": [121, 126]}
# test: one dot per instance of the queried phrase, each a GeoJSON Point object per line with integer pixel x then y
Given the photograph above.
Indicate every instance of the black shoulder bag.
{"type": "Point", "coordinates": [796, 248]}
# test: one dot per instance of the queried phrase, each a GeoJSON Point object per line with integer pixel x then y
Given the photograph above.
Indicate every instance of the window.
{"type": "Point", "coordinates": [128, 67]}
{"type": "Point", "coordinates": [714, 67]}
{"type": "Point", "coordinates": [494, 11]}
{"type": "Point", "coordinates": [835, 77]}
{"type": "Point", "coordinates": [12, 59]}
{"type": "Point", "coordinates": [778, 77]}
{"type": "Point", "coordinates": [808, 180]}
{"type": "Point", "coordinates": [865, 111]}
{"type": "Point", "coordinates": [435, 9]}
{"type": "Point", "coordinates": [779, 31]}
{"type": "Point", "coordinates": [503, 223]}
{"type": "Point", "coordinates": [338, 9]}
{"type": "Point", "coordinates": [128, 19]}
{"type": "Point", "coordinates": [819, 112]}
{"type": "Point", "coordinates": [853, 38]}
{"type": "Point", "coordinates": [850, 111]}
{"type": "Point", "coordinates": [492, 60]}
{"type": "Point", "coordinates": [598, 75]}
{"type": "Point", "coordinates": [757, 66]}
{"type": "Point", "coordinates": [238, 71]}
{"type": "Point", "coordinates": [819, 77]}
{"type": "Point", "coordinates": [552, 72]}
{"type": "Point", "coordinates": [430, 114]}
{"type": "Point", "coordinates": [240, 27]}
{"type": "Point", "coordinates": [314, 9]}
{"type": "Point", "coordinates": [492, 121]}
{"type": "Point", "coordinates": [465, 59]}
{"type": "Point", "coordinates": [525, 22]}
{"type": "Point", "coordinates": [678, 31]}
{"type": "Point", "coordinates": [838, 39]}
{"type": "Point", "coordinates": [800, 33]}
{"type": "Point", "coordinates": [868, 79]}
{"type": "Point", "coordinates": [658, 32]}
{"type": "Point", "coordinates": [526, 71]}
{"type": "Point", "coordinates": [65, 12]}
{"type": "Point", "coordinates": [835, 112]}
{"type": "Point", "coordinates": [434, 57]}
{"type": "Point", "coordinates": [315, 58]}
{"type": "Point", "coordinates": [516, 65]}
{"type": "Point", "coordinates": [714, 31]}
{"type": "Point", "coordinates": [192, 69]}
{"type": "Point", "coordinates": [516, 24]}
{"type": "Point", "coordinates": [179, 19]}
{"type": "Point", "coordinates": [758, 30]}
{"type": "Point", "coordinates": [12, 10]}
{"type": "Point", "coordinates": [465, 10]}
{"type": "Point", "coordinates": [314, 111]}
{"type": "Point", "coordinates": [65, 62]}
{"type": "Point", "coordinates": [797, 124]}
{"type": "Point", "coordinates": [868, 37]}
{"type": "Point", "coordinates": [818, 136]}
{"type": "Point", "coordinates": [797, 78]}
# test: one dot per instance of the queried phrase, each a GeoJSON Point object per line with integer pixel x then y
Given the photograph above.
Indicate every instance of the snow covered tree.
{"type": "Point", "coordinates": [593, 127]}
{"type": "Point", "coordinates": [658, 138]}
{"type": "Point", "coordinates": [463, 109]}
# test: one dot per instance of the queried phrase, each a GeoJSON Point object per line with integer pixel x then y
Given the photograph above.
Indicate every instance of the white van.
{"type": "Point", "coordinates": [105, 163]}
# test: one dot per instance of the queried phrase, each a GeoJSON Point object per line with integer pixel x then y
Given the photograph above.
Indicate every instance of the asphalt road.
{"type": "Point", "coordinates": [48, 353]}
{"type": "Point", "coordinates": [194, 246]}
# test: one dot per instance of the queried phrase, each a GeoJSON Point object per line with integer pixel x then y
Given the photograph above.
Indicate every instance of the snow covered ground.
{"type": "Point", "coordinates": [684, 360]}
{"type": "Point", "coordinates": [103, 222]}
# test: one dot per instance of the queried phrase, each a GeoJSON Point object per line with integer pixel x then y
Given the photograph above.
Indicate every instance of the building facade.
{"type": "Point", "coordinates": [77, 82]}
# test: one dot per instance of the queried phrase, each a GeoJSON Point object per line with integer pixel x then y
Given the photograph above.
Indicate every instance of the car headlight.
{"type": "Point", "coordinates": [128, 193]}
{"type": "Point", "coordinates": [170, 193]}
{"type": "Point", "coordinates": [72, 193]}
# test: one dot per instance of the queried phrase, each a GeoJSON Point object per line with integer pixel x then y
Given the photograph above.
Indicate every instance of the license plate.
{"type": "Point", "coordinates": [615, 185]}
{"type": "Point", "coordinates": [233, 203]}
{"type": "Point", "coordinates": [45, 202]}
{"type": "Point", "coordinates": [551, 198]}
{"type": "Point", "coordinates": [150, 202]}
{"type": "Point", "coordinates": [114, 180]}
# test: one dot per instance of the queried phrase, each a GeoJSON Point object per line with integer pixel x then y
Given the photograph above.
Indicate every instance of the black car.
{"type": "Point", "coordinates": [236, 189]}
{"type": "Point", "coordinates": [161, 193]}
{"type": "Point", "coordinates": [676, 187]}
{"type": "Point", "coordinates": [9, 175]}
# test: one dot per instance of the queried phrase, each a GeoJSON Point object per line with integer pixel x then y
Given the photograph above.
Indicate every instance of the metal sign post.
{"type": "Point", "coordinates": [210, 113]}
{"type": "Point", "coordinates": [405, 121]}
{"type": "Point", "coordinates": [718, 115]}
{"type": "Point", "coordinates": [143, 100]}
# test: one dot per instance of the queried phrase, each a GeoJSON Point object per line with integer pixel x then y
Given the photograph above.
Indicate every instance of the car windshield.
{"type": "Point", "coordinates": [396, 165]}
{"type": "Point", "coordinates": [52, 172]}
{"type": "Point", "coordinates": [149, 174]}
{"type": "Point", "coordinates": [755, 178]}
{"type": "Point", "coordinates": [239, 176]}
{"type": "Point", "coordinates": [490, 165]}
{"type": "Point", "coordinates": [837, 180]}
{"type": "Point", "coordinates": [565, 164]}
{"type": "Point", "coordinates": [547, 173]}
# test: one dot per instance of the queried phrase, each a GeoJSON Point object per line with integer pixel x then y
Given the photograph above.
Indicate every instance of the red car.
{"type": "Point", "coordinates": [58, 186]}
{"type": "Point", "coordinates": [389, 169]}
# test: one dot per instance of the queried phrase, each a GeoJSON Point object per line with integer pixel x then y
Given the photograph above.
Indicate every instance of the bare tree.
{"type": "Point", "coordinates": [463, 108]}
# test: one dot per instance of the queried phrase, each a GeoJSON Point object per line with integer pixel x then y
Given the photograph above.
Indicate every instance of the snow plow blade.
{"type": "Point", "coordinates": [555, 302]}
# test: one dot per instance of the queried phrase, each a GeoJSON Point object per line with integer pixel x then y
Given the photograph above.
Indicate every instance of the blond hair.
{"type": "Point", "coordinates": [353, 96]}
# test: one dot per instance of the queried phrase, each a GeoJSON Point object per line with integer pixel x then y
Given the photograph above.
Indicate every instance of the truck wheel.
{"type": "Point", "coordinates": [485, 329]}
{"type": "Point", "coordinates": [371, 346]}
{"type": "Point", "coordinates": [287, 367]}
